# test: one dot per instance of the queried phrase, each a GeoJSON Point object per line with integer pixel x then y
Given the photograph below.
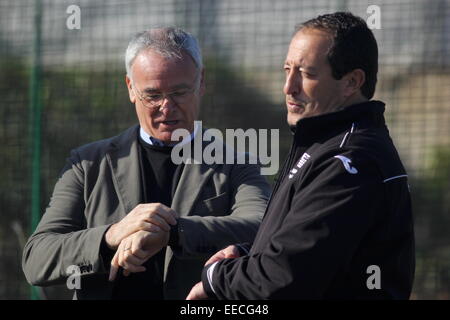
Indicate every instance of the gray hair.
{"type": "Point", "coordinates": [169, 42]}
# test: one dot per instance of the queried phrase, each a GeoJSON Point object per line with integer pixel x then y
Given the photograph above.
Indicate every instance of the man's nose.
{"type": "Point", "coordinates": [167, 104]}
{"type": "Point", "coordinates": [292, 86]}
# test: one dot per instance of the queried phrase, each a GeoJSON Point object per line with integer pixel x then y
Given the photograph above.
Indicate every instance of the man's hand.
{"type": "Point", "coordinates": [150, 217]}
{"type": "Point", "coordinates": [135, 249]}
{"type": "Point", "coordinates": [197, 292]}
{"type": "Point", "coordinates": [227, 253]}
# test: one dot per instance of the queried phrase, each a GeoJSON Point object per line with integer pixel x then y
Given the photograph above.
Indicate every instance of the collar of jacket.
{"type": "Point", "coordinates": [312, 129]}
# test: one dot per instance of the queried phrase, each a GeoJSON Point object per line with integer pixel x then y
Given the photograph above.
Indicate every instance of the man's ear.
{"type": "Point", "coordinates": [130, 89]}
{"type": "Point", "coordinates": [353, 81]}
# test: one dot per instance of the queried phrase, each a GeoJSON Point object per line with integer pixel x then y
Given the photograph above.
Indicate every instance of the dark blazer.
{"type": "Point", "coordinates": [218, 205]}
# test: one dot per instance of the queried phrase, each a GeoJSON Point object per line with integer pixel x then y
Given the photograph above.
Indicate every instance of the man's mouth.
{"type": "Point", "coordinates": [170, 122]}
{"type": "Point", "coordinates": [296, 104]}
{"type": "Point", "coordinates": [295, 107]}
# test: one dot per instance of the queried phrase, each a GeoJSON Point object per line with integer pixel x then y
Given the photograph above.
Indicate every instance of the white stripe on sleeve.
{"type": "Point", "coordinates": [209, 274]}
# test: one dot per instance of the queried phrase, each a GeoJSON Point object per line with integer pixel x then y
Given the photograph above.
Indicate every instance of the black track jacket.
{"type": "Point", "coordinates": [339, 222]}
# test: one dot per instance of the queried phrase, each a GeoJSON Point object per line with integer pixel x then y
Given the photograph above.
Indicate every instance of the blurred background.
{"type": "Point", "coordinates": [62, 87]}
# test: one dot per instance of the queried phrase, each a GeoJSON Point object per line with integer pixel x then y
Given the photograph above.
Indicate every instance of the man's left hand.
{"type": "Point", "coordinates": [135, 250]}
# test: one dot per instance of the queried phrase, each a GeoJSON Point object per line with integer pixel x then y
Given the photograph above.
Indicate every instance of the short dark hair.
{"type": "Point", "coordinates": [354, 46]}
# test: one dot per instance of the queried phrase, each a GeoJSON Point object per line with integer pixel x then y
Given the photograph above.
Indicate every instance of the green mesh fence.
{"type": "Point", "coordinates": [61, 87]}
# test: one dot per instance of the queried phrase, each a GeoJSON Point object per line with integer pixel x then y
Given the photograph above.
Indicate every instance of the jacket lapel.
{"type": "Point", "coordinates": [123, 158]}
{"type": "Point", "coordinates": [190, 185]}
{"type": "Point", "coordinates": [192, 180]}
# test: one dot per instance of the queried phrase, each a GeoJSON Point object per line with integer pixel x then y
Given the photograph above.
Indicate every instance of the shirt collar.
{"type": "Point", "coordinates": [156, 142]}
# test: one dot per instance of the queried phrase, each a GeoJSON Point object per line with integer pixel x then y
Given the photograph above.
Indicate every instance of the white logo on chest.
{"type": "Point", "coordinates": [346, 162]}
{"type": "Point", "coordinates": [300, 164]}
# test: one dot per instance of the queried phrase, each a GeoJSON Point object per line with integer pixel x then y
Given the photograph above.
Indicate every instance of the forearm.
{"type": "Point", "coordinates": [300, 258]}
{"type": "Point", "coordinates": [203, 236]}
{"type": "Point", "coordinates": [47, 255]}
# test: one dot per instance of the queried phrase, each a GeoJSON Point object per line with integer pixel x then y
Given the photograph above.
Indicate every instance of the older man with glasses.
{"type": "Point", "coordinates": [137, 225]}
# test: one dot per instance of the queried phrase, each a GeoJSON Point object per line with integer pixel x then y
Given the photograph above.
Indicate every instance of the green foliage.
{"type": "Point", "coordinates": [431, 203]}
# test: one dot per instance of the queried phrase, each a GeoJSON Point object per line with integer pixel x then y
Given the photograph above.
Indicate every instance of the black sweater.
{"type": "Point", "coordinates": [159, 177]}
{"type": "Point", "coordinates": [341, 206]}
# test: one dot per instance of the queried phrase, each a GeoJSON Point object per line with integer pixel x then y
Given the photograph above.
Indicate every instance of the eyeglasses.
{"type": "Point", "coordinates": [153, 101]}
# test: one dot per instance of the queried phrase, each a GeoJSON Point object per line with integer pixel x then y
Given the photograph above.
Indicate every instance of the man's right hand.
{"type": "Point", "coordinates": [227, 253]}
{"type": "Point", "coordinates": [151, 217]}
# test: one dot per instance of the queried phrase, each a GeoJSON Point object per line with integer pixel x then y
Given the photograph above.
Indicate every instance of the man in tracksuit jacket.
{"type": "Point", "coordinates": [339, 222]}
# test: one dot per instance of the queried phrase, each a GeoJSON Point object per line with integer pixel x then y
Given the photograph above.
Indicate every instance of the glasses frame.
{"type": "Point", "coordinates": [169, 95]}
